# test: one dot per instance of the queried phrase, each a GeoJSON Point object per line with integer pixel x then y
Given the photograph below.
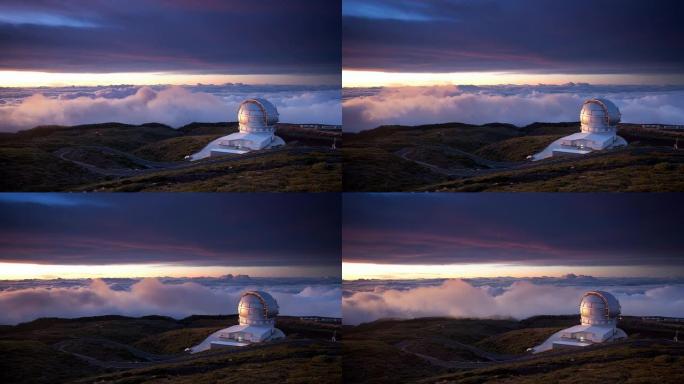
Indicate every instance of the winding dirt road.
{"type": "Point", "coordinates": [493, 358]}
{"type": "Point", "coordinates": [147, 166]}
{"type": "Point", "coordinates": [150, 359]}
{"type": "Point", "coordinates": [490, 166]}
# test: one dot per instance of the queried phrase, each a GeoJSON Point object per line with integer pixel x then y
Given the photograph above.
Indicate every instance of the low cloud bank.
{"type": "Point", "coordinates": [151, 296]}
{"type": "Point", "coordinates": [368, 108]}
{"type": "Point", "coordinates": [172, 105]}
{"type": "Point", "coordinates": [521, 299]}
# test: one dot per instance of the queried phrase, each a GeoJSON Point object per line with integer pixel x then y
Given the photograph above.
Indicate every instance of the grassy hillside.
{"type": "Point", "coordinates": [35, 170]}
{"type": "Point", "coordinates": [462, 158]}
{"type": "Point", "coordinates": [442, 350]}
{"type": "Point", "coordinates": [517, 341]}
{"type": "Point", "coordinates": [373, 169]}
{"type": "Point", "coordinates": [124, 137]}
{"type": "Point", "coordinates": [115, 156]}
{"type": "Point", "coordinates": [296, 170]}
{"type": "Point", "coordinates": [517, 148]}
{"type": "Point", "coordinates": [44, 351]}
{"type": "Point", "coordinates": [647, 362]}
{"type": "Point", "coordinates": [174, 341]}
{"type": "Point", "coordinates": [28, 361]}
{"type": "Point", "coordinates": [318, 362]}
{"type": "Point", "coordinates": [372, 352]}
{"type": "Point", "coordinates": [632, 169]}
{"type": "Point", "coordinates": [463, 136]}
{"type": "Point", "coordinates": [175, 148]}
{"type": "Point", "coordinates": [371, 361]}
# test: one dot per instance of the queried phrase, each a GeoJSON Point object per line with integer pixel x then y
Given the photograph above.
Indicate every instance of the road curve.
{"type": "Point", "coordinates": [151, 359]}
{"type": "Point", "coordinates": [503, 359]}
{"type": "Point", "coordinates": [148, 166]}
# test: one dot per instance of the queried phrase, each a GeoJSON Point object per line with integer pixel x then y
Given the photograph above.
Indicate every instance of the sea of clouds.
{"type": "Point", "coordinates": [24, 108]}
{"type": "Point", "coordinates": [26, 300]}
{"type": "Point", "coordinates": [367, 108]}
{"type": "Point", "coordinates": [368, 300]}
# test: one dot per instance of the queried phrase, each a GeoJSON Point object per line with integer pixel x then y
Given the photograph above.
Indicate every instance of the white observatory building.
{"type": "Point", "coordinates": [599, 119]}
{"type": "Point", "coordinates": [599, 311]}
{"type": "Point", "coordinates": [257, 311]}
{"type": "Point", "coordinates": [257, 118]}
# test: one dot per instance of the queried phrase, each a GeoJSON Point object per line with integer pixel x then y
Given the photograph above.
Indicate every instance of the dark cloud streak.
{"type": "Point", "coordinates": [194, 229]}
{"type": "Point", "coordinates": [585, 36]}
{"type": "Point", "coordinates": [536, 229]}
{"type": "Point", "coordinates": [236, 37]}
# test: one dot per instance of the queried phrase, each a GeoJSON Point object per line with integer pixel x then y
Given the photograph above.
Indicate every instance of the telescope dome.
{"type": "Point", "coordinates": [599, 115]}
{"type": "Point", "coordinates": [257, 308]}
{"type": "Point", "coordinates": [257, 115]}
{"type": "Point", "coordinates": [599, 307]}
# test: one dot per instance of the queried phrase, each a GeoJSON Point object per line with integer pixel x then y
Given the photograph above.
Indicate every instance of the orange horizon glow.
{"type": "Point", "coordinates": [354, 78]}
{"type": "Point", "coordinates": [356, 271]}
{"type": "Point", "coordinates": [20, 271]}
{"type": "Point", "coordinates": [50, 79]}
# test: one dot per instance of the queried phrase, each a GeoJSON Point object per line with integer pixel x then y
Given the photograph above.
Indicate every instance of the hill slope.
{"type": "Point", "coordinates": [442, 350]}
{"type": "Point", "coordinates": [114, 157]}
{"type": "Point", "coordinates": [120, 349]}
{"type": "Point", "coordinates": [460, 158]}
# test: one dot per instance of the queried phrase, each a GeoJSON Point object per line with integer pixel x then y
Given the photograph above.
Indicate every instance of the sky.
{"type": "Point", "coordinates": [486, 42]}
{"type": "Point", "coordinates": [171, 254]}
{"type": "Point", "coordinates": [408, 236]}
{"type": "Point", "coordinates": [55, 42]}
{"type": "Point", "coordinates": [410, 62]}
{"type": "Point", "coordinates": [48, 236]}
{"type": "Point", "coordinates": [167, 61]}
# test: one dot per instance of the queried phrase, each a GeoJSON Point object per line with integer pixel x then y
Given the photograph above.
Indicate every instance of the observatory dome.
{"type": "Point", "coordinates": [257, 115]}
{"type": "Point", "coordinates": [599, 115]}
{"type": "Point", "coordinates": [257, 308]}
{"type": "Point", "coordinates": [598, 308]}
{"type": "Point", "coordinates": [257, 118]}
{"type": "Point", "coordinates": [599, 311]}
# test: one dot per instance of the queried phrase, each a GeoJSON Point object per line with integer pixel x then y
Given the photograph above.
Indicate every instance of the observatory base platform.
{"type": "Point", "coordinates": [238, 336]}
{"type": "Point", "coordinates": [238, 144]}
{"type": "Point", "coordinates": [579, 144]}
{"type": "Point", "coordinates": [580, 336]}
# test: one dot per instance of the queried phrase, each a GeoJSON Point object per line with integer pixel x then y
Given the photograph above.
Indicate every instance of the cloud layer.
{"type": "Point", "coordinates": [520, 105]}
{"type": "Point", "coordinates": [519, 300]}
{"type": "Point", "coordinates": [152, 296]}
{"type": "Point", "coordinates": [173, 105]}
